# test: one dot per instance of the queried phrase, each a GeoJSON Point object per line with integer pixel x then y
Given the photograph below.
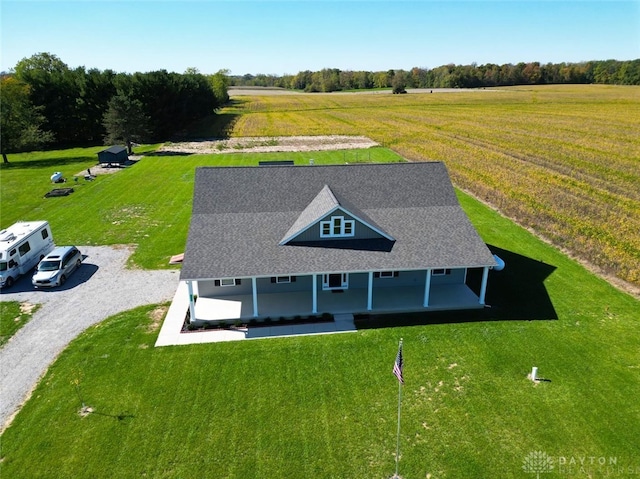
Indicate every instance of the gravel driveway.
{"type": "Point", "coordinates": [100, 288]}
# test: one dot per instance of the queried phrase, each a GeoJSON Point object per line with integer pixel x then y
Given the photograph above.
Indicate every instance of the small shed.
{"type": "Point", "coordinates": [114, 155]}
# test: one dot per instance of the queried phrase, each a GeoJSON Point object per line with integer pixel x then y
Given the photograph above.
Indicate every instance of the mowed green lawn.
{"type": "Point", "coordinates": [325, 406]}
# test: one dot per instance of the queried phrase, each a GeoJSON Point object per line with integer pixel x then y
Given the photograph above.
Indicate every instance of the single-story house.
{"type": "Point", "coordinates": [300, 240]}
{"type": "Point", "coordinates": [114, 155]}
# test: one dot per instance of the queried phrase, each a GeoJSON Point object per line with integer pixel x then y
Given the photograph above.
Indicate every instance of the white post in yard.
{"type": "Point", "coordinates": [314, 292]}
{"type": "Point", "coordinates": [192, 306]}
{"type": "Point", "coordinates": [427, 289]}
{"type": "Point", "coordinates": [534, 374]}
{"type": "Point", "coordinates": [370, 292]}
{"type": "Point", "coordinates": [483, 287]}
{"type": "Point", "coordinates": [254, 287]}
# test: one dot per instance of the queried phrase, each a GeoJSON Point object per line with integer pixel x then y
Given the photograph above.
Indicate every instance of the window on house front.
{"type": "Point", "coordinates": [337, 227]}
{"type": "Point", "coordinates": [386, 274]}
{"type": "Point", "coordinates": [440, 272]}
{"type": "Point", "coordinates": [227, 282]}
{"type": "Point", "coordinates": [283, 279]}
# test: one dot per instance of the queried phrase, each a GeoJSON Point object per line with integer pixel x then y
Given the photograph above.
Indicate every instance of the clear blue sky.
{"type": "Point", "coordinates": [287, 37]}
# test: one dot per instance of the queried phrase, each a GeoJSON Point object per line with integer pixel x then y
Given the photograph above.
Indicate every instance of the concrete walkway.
{"type": "Point", "coordinates": [101, 287]}
{"type": "Point", "coordinates": [171, 331]}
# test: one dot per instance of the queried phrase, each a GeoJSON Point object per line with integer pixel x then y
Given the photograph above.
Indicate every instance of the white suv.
{"type": "Point", "coordinates": [55, 268]}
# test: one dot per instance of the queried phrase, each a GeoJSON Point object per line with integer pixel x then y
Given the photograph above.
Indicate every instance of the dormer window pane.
{"type": "Point", "coordinates": [337, 227]}
{"type": "Point", "coordinates": [348, 228]}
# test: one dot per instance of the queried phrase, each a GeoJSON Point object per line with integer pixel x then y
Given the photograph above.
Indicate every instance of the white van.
{"type": "Point", "coordinates": [22, 246]}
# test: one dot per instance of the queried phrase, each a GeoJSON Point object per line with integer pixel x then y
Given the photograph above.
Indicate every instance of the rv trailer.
{"type": "Point", "coordinates": [22, 246]}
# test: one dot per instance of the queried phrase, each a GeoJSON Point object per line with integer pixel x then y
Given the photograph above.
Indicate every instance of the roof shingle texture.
{"type": "Point", "coordinates": [240, 215]}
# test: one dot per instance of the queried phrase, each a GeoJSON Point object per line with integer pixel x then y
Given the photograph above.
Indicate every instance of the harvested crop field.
{"type": "Point", "coordinates": [561, 160]}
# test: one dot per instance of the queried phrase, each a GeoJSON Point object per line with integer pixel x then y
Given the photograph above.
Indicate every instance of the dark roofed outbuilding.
{"type": "Point", "coordinates": [115, 155]}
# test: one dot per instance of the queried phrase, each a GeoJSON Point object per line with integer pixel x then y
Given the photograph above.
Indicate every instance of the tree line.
{"type": "Point", "coordinates": [44, 102]}
{"type": "Point", "coordinates": [611, 72]}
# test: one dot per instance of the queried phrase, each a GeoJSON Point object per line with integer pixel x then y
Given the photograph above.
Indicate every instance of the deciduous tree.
{"type": "Point", "coordinates": [20, 121]}
{"type": "Point", "coordinates": [53, 87]}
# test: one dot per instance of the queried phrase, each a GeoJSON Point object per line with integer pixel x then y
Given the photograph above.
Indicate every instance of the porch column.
{"type": "Point", "coordinates": [192, 304]}
{"type": "Point", "coordinates": [370, 292]}
{"type": "Point", "coordinates": [314, 294]}
{"type": "Point", "coordinates": [427, 288]}
{"type": "Point", "coordinates": [483, 287]}
{"type": "Point", "coordinates": [254, 288]}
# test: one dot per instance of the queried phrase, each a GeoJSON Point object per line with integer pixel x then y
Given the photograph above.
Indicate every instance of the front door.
{"type": "Point", "coordinates": [335, 281]}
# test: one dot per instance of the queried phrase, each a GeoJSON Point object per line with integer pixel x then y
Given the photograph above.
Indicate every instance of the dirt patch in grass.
{"type": "Point", "coordinates": [85, 411]}
{"type": "Point", "coordinates": [156, 316]}
{"type": "Point", "coordinates": [27, 308]}
{"type": "Point", "coordinates": [265, 144]}
{"type": "Point", "coordinates": [104, 169]}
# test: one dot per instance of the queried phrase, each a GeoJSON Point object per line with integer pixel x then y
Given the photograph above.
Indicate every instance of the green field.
{"type": "Point", "coordinates": [563, 160]}
{"type": "Point", "coordinates": [325, 406]}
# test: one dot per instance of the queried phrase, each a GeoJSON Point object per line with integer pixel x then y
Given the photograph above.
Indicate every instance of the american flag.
{"type": "Point", "coordinates": [397, 366]}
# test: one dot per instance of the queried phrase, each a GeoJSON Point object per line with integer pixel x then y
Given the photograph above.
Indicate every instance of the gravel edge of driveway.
{"type": "Point", "coordinates": [100, 288]}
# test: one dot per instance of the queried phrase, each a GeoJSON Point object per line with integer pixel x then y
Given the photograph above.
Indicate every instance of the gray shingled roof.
{"type": "Point", "coordinates": [114, 149]}
{"type": "Point", "coordinates": [241, 214]}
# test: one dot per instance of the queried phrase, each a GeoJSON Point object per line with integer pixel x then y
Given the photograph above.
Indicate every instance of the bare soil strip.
{"type": "Point", "coordinates": [265, 144]}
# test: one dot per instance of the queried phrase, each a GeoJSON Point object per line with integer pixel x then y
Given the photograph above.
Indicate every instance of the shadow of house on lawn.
{"type": "Point", "coordinates": [515, 293]}
{"type": "Point", "coordinates": [518, 291]}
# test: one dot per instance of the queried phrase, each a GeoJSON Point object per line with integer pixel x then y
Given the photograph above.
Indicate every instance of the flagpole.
{"type": "Point", "coordinates": [398, 371]}
{"type": "Point", "coordinates": [398, 438]}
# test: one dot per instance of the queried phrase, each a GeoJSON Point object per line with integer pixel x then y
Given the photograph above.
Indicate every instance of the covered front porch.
{"type": "Point", "coordinates": [352, 300]}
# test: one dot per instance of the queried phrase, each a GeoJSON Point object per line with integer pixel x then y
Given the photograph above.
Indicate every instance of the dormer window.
{"type": "Point", "coordinates": [337, 227]}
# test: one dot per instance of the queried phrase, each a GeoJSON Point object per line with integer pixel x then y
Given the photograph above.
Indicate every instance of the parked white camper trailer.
{"type": "Point", "coordinates": [22, 246]}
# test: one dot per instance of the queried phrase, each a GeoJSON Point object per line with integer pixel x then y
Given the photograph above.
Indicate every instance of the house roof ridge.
{"type": "Point", "coordinates": [317, 166]}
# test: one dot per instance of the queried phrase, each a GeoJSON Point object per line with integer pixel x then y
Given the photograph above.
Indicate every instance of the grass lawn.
{"type": "Point", "coordinates": [325, 406]}
{"type": "Point", "coordinates": [12, 317]}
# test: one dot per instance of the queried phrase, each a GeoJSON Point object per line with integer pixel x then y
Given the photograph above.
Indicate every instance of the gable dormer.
{"type": "Point", "coordinates": [327, 219]}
